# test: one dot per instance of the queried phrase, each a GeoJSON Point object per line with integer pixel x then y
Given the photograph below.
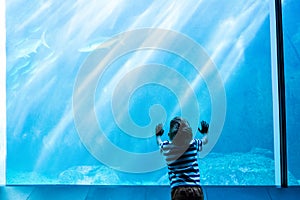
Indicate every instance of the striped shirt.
{"type": "Point", "coordinates": [182, 163]}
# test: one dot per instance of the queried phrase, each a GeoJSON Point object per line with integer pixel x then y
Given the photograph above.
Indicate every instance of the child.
{"type": "Point", "coordinates": [181, 157]}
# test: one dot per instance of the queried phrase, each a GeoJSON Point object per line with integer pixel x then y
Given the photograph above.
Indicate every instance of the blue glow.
{"type": "Point", "coordinates": [50, 42]}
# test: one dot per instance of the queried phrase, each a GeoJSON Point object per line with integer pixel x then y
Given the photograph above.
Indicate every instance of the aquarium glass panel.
{"type": "Point", "coordinates": [88, 81]}
{"type": "Point", "coordinates": [291, 30]}
{"type": "Point", "coordinates": [2, 93]}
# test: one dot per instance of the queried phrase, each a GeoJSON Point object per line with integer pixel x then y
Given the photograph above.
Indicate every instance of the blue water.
{"type": "Point", "coordinates": [252, 168]}
{"type": "Point", "coordinates": [84, 93]}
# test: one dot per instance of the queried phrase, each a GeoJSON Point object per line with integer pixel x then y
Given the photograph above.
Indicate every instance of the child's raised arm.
{"type": "Point", "coordinates": [204, 131]}
{"type": "Point", "coordinates": [204, 140]}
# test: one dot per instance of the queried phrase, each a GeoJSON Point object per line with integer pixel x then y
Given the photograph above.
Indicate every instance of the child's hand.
{"type": "Point", "coordinates": [204, 127]}
{"type": "Point", "coordinates": [159, 131]}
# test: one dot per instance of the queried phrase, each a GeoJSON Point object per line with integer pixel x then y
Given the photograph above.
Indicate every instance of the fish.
{"type": "Point", "coordinates": [105, 43]}
{"type": "Point", "coordinates": [29, 45]}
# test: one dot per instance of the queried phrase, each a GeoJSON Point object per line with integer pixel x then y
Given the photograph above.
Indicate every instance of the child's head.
{"type": "Point", "coordinates": [180, 131]}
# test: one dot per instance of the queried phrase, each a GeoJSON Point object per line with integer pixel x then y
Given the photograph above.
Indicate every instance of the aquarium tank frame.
{"type": "Point", "coordinates": [278, 77]}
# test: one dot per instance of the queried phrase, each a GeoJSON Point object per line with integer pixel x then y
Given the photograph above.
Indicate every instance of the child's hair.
{"type": "Point", "coordinates": [180, 131]}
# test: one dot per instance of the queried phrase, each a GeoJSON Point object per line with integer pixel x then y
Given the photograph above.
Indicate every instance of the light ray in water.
{"type": "Point", "coordinates": [235, 34]}
{"type": "Point", "coordinates": [44, 6]}
{"type": "Point", "coordinates": [52, 140]}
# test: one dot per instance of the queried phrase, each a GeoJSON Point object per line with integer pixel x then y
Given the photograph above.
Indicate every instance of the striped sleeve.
{"type": "Point", "coordinates": [198, 144]}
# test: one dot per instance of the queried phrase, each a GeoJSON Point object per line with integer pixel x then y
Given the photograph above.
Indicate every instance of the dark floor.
{"type": "Point", "coordinates": [69, 192]}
